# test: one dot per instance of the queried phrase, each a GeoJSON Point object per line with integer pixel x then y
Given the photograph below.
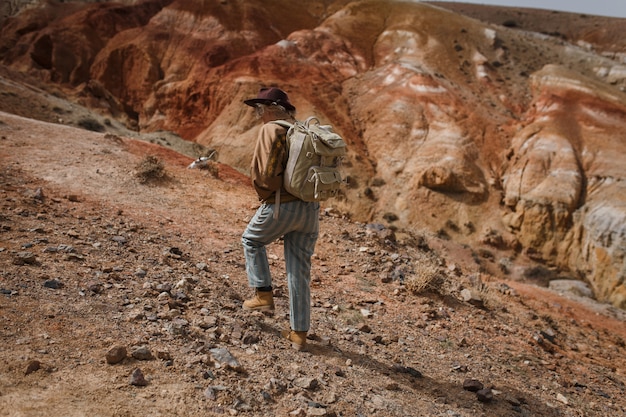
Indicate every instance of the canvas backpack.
{"type": "Point", "coordinates": [313, 171]}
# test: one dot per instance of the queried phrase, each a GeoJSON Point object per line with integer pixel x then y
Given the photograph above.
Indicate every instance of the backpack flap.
{"type": "Point", "coordinates": [327, 142]}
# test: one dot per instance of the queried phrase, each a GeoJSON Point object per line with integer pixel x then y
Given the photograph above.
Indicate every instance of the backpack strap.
{"type": "Point", "coordinates": [287, 126]}
{"type": "Point", "coordinates": [283, 123]}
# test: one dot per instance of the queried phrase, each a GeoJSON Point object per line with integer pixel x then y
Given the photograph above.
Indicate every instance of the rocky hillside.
{"type": "Point", "coordinates": [485, 165]}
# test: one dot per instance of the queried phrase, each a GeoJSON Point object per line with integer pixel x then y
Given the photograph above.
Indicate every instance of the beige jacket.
{"type": "Point", "coordinates": [268, 163]}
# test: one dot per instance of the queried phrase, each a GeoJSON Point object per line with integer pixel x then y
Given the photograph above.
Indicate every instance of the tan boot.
{"type": "Point", "coordinates": [297, 339]}
{"type": "Point", "coordinates": [262, 301]}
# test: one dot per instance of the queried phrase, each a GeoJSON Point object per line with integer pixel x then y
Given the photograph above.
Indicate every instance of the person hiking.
{"type": "Point", "coordinates": [295, 220]}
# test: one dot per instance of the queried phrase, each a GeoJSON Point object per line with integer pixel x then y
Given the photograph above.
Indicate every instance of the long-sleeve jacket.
{"type": "Point", "coordinates": [268, 163]}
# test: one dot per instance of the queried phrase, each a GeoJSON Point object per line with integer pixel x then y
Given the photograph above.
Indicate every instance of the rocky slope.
{"type": "Point", "coordinates": [122, 274]}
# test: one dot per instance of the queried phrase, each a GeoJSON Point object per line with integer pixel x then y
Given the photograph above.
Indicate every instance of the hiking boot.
{"type": "Point", "coordinates": [297, 339]}
{"type": "Point", "coordinates": [262, 301]}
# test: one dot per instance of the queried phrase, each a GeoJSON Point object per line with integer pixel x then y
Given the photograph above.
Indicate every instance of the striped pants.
{"type": "Point", "coordinates": [298, 223]}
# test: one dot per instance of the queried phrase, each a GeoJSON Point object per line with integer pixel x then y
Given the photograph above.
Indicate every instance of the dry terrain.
{"type": "Point", "coordinates": [121, 270]}
{"type": "Point", "coordinates": [109, 243]}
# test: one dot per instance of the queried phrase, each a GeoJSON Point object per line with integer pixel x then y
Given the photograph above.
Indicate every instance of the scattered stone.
{"type": "Point", "coordinates": [38, 195]}
{"type": "Point", "coordinates": [407, 370]}
{"type": "Point", "coordinates": [94, 286]}
{"type": "Point", "coordinates": [562, 399]}
{"type": "Point", "coordinates": [515, 402]}
{"type": "Point", "coordinates": [298, 412]}
{"type": "Point", "coordinates": [458, 367]}
{"type": "Point", "coordinates": [142, 353]}
{"type": "Point", "coordinates": [177, 327]}
{"type": "Point", "coordinates": [548, 334]}
{"type": "Point", "coordinates": [472, 385]}
{"type": "Point", "coordinates": [365, 329]}
{"type": "Point", "coordinates": [137, 378]}
{"type": "Point", "coordinates": [267, 397]}
{"type": "Point", "coordinates": [24, 258]}
{"type": "Point", "coordinates": [115, 355]}
{"type": "Point", "coordinates": [306, 383]}
{"type": "Point", "coordinates": [66, 248]}
{"type": "Point", "coordinates": [484, 395]}
{"type": "Point", "coordinates": [119, 239]}
{"type": "Point", "coordinates": [32, 366]}
{"type": "Point", "coordinates": [472, 297]}
{"type": "Point", "coordinates": [223, 358]}
{"type": "Point", "coordinates": [276, 386]}
{"type": "Point", "coordinates": [316, 411]}
{"type": "Point", "coordinates": [54, 284]}
{"type": "Point", "coordinates": [543, 343]}
{"type": "Point", "coordinates": [210, 394]}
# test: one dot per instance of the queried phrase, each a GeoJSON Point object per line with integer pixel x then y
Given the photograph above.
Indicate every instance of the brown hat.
{"type": "Point", "coordinates": [271, 95]}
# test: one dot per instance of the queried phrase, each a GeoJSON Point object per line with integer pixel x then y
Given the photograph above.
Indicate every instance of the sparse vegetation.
{"type": "Point", "coordinates": [151, 170]}
{"type": "Point", "coordinates": [92, 124]}
{"type": "Point", "coordinates": [427, 278]}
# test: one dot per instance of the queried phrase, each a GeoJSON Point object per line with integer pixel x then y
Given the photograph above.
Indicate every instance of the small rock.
{"type": "Point", "coordinates": [267, 397]}
{"type": "Point", "coordinates": [515, 402]}
{"type": "Point", "coordinates": [407, 370]}
{"type": "Point", "coordinates": [306, 383]}
{"type": "Point", "coordinates": [54, 284]}
{"type": "Point", "coordinates": [33, 366]}
{"type": "Point", "coordinates": [202, 267]}
{"type": "Point", "coordinates": [142, 353]}
{"type": "Point", "coordinates": [138, 379]}
{"type": "Point", "coordinates": [365, 329]}
{"type": "Point", "coordinates": [562, 399]}
{"type": "Point", "coordinates": [177, 327]}
{"type": "Point", "coordinates": [484, 395]}
{"type": "Point", "coordinates": [299, 412]}
{"type": "Point", "coordinates": [95, 287]}
{"type": "Point", "coordinates": [472, 385]}
{"type": "Point", "coordinates": [38, 194]}
{"type": "Point", "coordinates": [24, 258]}
{"type": "Point", "coordinates": [116, 355]}
{"type": "Point", "coordinates": [472, 297]}
{"type": "Point", "coordinates": [223, 358]}
{"type": "Point", "coordinates": [210, 394]}
{"type": "Point", "coordinates": [316, 411]}
{"type": "Point", "coordinates": [119, 239]}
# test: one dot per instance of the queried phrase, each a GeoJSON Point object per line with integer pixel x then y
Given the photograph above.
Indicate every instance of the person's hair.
{"type": "Point", "coordinates": [278, 110]}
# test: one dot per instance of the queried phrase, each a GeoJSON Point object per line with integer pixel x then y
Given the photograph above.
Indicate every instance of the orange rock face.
{"type": "Point", "coordinates": [452, 122]}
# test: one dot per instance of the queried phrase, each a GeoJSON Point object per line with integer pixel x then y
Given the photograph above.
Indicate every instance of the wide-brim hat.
{"type": "Point", "coordinates": [269, 96]}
